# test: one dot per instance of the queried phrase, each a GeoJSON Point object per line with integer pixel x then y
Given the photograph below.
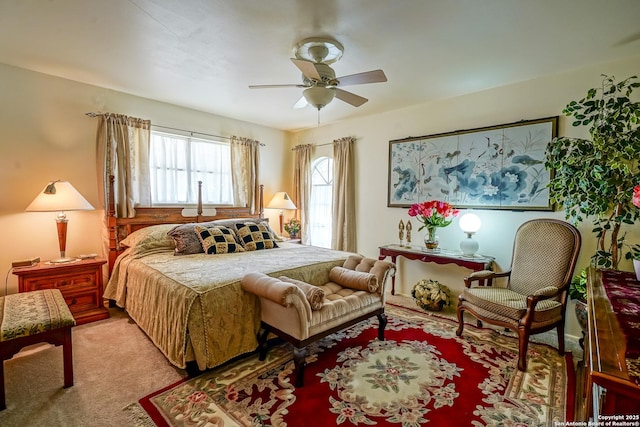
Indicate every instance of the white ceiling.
{"type": "Point", "coordinates": [203, 54]}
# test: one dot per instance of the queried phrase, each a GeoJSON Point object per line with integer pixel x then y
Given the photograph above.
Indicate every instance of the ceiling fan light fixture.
{"type": "Point", "coordinates": [319, 96]}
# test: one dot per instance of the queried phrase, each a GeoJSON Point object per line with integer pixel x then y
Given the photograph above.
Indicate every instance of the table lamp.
{"type": "Point", "coordinates": [60, 196]}
{"type": "Point", "coordinates": [469, 223]}
{"type": "Point", "coordinates": [281, 201]}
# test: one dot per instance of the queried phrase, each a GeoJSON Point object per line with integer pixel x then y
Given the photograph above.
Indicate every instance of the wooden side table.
{"type": "Point", "coordinates": [475, 263]}
{"type": "Point", "coordinates": [79, 281]}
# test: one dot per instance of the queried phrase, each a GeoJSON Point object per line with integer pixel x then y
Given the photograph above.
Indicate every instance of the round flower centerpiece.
{"type": "Point", "coordinates": [292, 227]}
{"type": "Point", "coordinates": [431, 295]}
{"type": "Point", "coordinates": [433, 214]}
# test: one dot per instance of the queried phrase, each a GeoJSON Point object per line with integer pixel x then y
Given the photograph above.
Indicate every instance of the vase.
{"type": "Point", "coordinates": [636, 268]}
{"type": "Point", "coordinates": [431, 240]}
{"type": "Point", "coordinates": [581, 316]}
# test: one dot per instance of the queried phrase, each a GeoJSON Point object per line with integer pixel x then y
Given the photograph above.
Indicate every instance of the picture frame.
{"type": "Point", "coordinates": [495, 167]}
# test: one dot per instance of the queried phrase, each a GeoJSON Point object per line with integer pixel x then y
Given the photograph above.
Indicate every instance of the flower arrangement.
{"type": "Point", "coordinates": [635, 199]}
{"type": "Point", "coordinates": [431, 295]}
{"type": "Point", "coordinates": [433, 213]}
{"type": "Point", "coordinates": [292, 227]}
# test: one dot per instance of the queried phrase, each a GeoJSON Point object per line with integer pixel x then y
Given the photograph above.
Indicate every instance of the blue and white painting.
{"type": "Point", "coordinates": [499, 167]}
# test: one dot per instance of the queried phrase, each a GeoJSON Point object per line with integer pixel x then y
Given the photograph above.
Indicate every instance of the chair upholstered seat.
{"type": "Point", "coordinates": [510, 306]}
{"type": "Point", "coordinates": [534, 300]}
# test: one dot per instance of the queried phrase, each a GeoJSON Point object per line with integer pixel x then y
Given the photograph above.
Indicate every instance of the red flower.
{"type": "Point", "coordinates": [433, 213]}
{"type": "Point", "coordinates": [636, 196]}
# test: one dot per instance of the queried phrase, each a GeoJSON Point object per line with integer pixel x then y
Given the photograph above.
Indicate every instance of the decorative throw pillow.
{"type": "Point", "coordinates": [149, 239]}
{"type": "Point", "coordinates": [217, 240]}
{"type": "Point", "coordinates": [357, 280]}
{"type": "Point", "coordinates": [314, 294]}
{"type": "Point", "coordinates": [255, 236]}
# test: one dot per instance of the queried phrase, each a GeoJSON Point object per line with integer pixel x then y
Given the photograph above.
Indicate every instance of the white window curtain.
{"type": "Point", "coordinates": [343, 234]}
{"type": "Point", "coordinates": [245, 167]}
{"type": "Point", "coordinates": [320, 203]}
{"type": "Point", "coordinates": [302, 187]}
{"type": "Point", "coordinates": [178, 162]}
{"type": "Point", "coordinates": [123, 151]}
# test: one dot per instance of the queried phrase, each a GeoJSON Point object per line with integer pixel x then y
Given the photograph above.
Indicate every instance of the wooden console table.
{"type": "Point", "coordinates": [441, 256]}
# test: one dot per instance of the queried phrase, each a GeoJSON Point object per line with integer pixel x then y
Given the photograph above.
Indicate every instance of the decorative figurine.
{"type": "Point", "coordinates": [401, 232]}
{"type": "Point", "coordinates": [409, 233]}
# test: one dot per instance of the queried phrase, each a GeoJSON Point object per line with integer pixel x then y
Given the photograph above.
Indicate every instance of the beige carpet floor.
{"type": "Point", "coordinates": [115, 364]}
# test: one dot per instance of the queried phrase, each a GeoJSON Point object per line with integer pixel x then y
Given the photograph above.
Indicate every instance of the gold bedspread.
{"type": "Point", "coordinates": [195, 302]}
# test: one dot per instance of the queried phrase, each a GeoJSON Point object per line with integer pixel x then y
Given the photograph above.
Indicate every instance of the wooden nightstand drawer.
{"type": "Point", "coordinates": [80, 283]}
{"type": "Point", "coordinates": [82, 301]}
{"type": "Point", "coordinates": [66, 283]}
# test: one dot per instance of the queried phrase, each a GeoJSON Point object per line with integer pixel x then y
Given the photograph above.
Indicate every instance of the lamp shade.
{"type": "Point", "coordinates": [470, 223]}
{"type": "Point", "coordinates": [59, 196]}
{"type": "Point", "coordinates": [319, 96]}
{"type": "Point", "coordinates": [281, 200]}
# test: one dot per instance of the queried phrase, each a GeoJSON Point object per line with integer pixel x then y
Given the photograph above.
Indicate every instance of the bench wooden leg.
{"type": "Point", "coordinates": [300, 361]}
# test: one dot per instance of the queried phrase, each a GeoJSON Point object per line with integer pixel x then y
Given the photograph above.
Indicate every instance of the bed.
{"type": "Point", "coordinates": [191, 305]}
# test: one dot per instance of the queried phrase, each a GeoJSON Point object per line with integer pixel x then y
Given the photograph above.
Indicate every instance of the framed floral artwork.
{"type": "Point", "coordinates": [497, 167]}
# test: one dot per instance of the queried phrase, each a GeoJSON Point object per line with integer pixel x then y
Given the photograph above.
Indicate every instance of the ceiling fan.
{"type": "Point", "coordinates": [319, 81]}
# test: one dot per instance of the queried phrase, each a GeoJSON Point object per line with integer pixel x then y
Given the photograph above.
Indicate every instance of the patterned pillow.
{"type": "Point", "coordinates": [217, 240]}
{"type": "Point", "coordinates": [255, 236]}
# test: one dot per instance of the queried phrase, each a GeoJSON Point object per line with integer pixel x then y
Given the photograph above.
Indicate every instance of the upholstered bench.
{"type": "Point", "coordinates": [302, 313]}
{"type": "Point", "coordinates": [32, 317]}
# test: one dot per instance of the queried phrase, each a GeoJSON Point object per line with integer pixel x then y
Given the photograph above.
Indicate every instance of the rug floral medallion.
{"type": "Point", "coordinates": [421, 374]}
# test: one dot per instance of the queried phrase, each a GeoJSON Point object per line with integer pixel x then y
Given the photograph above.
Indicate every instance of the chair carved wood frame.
{"type": "Point", "coordinates": [545, 252]}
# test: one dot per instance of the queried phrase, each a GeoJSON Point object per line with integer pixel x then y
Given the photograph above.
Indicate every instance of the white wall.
{"type": "Point", "coordinates": [377, 224]}
{"type": "Point", "coordinates": [45, 135]}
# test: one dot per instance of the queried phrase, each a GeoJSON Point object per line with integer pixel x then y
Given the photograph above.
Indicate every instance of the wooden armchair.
{"type": "Point", "coordinates": [535, 298]}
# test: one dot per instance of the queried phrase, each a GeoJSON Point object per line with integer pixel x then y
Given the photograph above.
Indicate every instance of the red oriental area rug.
{"type": "Point", "coordinates": [421, 374]}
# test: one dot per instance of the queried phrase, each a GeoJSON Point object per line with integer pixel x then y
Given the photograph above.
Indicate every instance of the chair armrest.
{"type": "Point", "coordinates": [548, 291]}
{"type": "Point", "coordinates": [484, 277]}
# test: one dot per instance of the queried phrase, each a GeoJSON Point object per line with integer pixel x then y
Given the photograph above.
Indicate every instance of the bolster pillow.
{"type": "Point", "coordinates": [351, 279]}
{"type": "Point", "coordinates": [268, 287]}
{"type": "Point", "coordinates": [314, 294]}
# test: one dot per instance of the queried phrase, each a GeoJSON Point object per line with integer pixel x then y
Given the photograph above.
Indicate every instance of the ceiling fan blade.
{"type": "Point", "coordinates": [274, 86]}
{"type": "Point", "coordinates": [308, 68]}
{"type": "Point", "coordinates": [301, 103]}
{"type": "Point", "coordinates": [350, 98]}
{"type": "Point", "coordinates": [376, 76]}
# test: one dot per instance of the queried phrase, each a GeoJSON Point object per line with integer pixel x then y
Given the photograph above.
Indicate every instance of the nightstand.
{"type": "Point", "coordinates": [79, 281]}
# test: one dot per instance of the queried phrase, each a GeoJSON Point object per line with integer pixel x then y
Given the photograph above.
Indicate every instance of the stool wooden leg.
{"type": "Point", "coordinates": [67, 354]}
{"type": "Point", "coordinates": [2, 402]}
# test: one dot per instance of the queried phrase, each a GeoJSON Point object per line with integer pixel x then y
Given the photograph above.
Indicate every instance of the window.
{"type": "Point", "coordinates": [178, 162]}
{"type": "Point", "coordinates": [320, 212]}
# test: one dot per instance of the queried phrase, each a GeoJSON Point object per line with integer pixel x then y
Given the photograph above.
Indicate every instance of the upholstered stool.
{"type": "Point", "coordinates": [32, 317]}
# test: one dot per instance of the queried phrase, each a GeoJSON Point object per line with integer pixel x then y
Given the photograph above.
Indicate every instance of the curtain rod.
{"type": "Point", "coordinates": [318, 145]}
{"type": "Point", "coordinates": [191, 132]}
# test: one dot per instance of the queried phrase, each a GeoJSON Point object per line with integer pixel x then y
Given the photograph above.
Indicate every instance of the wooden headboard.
{"type": "Point", "coordinates": [119, 228]}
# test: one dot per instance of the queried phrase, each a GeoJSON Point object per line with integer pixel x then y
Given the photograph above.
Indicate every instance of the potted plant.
{"type": "Point", "coordinates": [292, 227]}
{"type": "Point", "coordinates": [594, 178]}
{"type": "Point", "coordinates": [431, 295]}
{"type": "Point", "coordinates": [578, 292]}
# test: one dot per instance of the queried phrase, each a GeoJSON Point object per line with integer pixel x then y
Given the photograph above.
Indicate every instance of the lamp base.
{"type": "Point", "coordinates": [469, 247]}
{"type": "Point", "coordinates": [62, 260]}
